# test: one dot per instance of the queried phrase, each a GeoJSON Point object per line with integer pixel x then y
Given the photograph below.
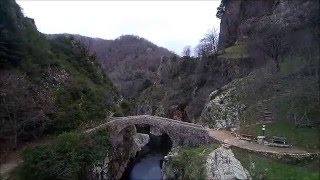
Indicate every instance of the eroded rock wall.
{"type": "Point", "coordinates": [115, 163]}
{"type": "Point", "coordinates": [185, 84]}
{"type": "Point", "coordinates": [169, 171]}
{"type": "Point", "coordinates": [221, 164]}
{"type": "Point", "coordinates": [226, 105]}
{"type": "Point", "coordinates": [244, 19]}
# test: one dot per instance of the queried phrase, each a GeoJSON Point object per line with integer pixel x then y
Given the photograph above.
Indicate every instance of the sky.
{"type": "Point", "coordinates": [170, 24]}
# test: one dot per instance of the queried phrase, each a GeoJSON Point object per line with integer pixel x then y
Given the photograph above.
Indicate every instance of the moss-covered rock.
{"type": "Point", "coordinates": [224, 108]}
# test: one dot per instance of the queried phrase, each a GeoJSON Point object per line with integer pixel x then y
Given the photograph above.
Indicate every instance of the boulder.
{"type": "Point", "coordinates": [140, 140]}
{"type": "Point", "coordinates": [221, 164]}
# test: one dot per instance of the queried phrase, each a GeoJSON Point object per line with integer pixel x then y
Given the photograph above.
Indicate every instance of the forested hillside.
{"type": "Point", "coordinates": [130, 61]}
{"type": "Point", "coordinates": [155, 81]}
{"type": "Point", "coordinates": [46, 86]}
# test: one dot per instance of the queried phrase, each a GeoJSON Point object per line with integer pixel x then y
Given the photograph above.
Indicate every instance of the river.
{"type": "Point", "coordinates": [147, 164]}
{"type": "Point", "coordinates": [148, 168]}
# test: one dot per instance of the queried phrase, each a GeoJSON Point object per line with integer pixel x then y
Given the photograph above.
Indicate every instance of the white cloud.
{"type": "Point", "coordinates": [171, 24]}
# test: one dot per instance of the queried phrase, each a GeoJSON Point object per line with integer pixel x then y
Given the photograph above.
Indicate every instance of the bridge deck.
{"type": "Point", "coordinates": [154, 118]}
{"type": "Point", "coordinates": [158, 118]}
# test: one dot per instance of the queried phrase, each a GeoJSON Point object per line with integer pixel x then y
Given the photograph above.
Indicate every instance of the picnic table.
{"type": "Point", "coordinates": [247, 137]}
{"type": "Point", "coordinates": [279, 140]}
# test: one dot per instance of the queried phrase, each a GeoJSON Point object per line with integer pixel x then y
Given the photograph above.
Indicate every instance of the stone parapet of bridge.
{"type": "Point", "coordinates": [180, 133]}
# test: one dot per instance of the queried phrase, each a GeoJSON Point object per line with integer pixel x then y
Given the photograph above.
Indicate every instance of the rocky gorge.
{"type": "Point", "coordinates": [125, 108]}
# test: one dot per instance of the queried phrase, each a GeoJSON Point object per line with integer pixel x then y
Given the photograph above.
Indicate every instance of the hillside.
{"type": "Point", "coordinates": [47, 86]}
{"type": "Point", "coordinates": [184, 84]}
{"type": "Point", "coordinates": [157, 82]}
{"type": "Point", "coordinates": [281, 92]}
{"type": "Point", "coordinates": [130, 61]}
{"type": "Point", "coordinates": [283, 38]}
{"type": "Point", "coordinates": [272, 98]}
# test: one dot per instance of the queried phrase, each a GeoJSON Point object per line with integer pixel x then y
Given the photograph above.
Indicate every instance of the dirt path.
{"type": "Point", "coordinates": [12, 158]}
{"type": "Point", "coordinates": [12, 161]}
{"type": "Point", "coordinates": [228, 138]}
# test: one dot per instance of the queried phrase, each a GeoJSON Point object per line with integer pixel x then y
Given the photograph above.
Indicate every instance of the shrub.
{"type": "Point", "coordinates": [125, 107]}
{"type": "Point", "coordinates": [190, 163]}
{"type": "Point", "coordinates": [68, 157]}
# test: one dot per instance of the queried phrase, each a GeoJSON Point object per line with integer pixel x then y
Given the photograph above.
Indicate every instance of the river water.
{"type": "Point", "coordinates": [147, 163]}
{"type": "Point", "coordinates": [148, 168]}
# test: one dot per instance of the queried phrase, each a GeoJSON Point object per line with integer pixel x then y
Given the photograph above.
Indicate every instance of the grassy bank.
{"type": "Point", "coordinates": [293, 90]}
{"type": "Point", "coordinates": [191, 161]}
{"type": "Point", "coordinates": [268, 168]}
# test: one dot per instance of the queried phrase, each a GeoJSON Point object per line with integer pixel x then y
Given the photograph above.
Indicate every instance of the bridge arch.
{"type": "Point", "coordinates": [180, 133]}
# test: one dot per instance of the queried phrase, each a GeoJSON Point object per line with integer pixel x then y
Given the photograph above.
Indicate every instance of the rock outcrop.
{"type": "Point", "coordinates": [223, 110]}
{"type": "Point", "coordinates": [243, 19]}
{"type": "Point", "coordinates": [221, 164]}
{"type": "Point", "coordinates": [227, 105]}
{"type": "Point", "coordinates": [179, 113]}
{"type": "Point", "coordinates": [115, 163]}
{"type": "Point", "coordinates": [184, 85]}
{"type": "Point", "coordinates": [149, 101]}
{"type": "Point", "coordinates": [140, 140]}
{"type": "Point", "coordinates": [168, 169]}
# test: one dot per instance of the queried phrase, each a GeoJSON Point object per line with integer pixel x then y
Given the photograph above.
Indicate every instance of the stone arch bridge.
{"type": "Point", "coordinates": [180, 133]}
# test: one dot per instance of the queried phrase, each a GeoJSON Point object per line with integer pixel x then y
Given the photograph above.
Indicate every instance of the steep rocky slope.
{"type": "Point", "coordinates": [184, 84]}
{"type": "Point", "coordinates": [244, 20]}
{"type": "Point", "coordinates": [157, 82]}
{"type": "Point", "coordinates": [291, 92]}
{"type": "Point", "coordinates": [281, 96]}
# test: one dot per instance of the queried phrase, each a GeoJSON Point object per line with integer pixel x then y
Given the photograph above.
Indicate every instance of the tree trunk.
{"type": "Point", "coordinates": [15, 131]}
{"type": "Point", "coordinates": [276, 60]}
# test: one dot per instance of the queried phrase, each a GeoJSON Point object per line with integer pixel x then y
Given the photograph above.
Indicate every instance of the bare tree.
{"type": "Point", "coordinates": [200, 50]}
{"type": "Point", "coordinates": [20, 118]}
{"type": "Point", "coordinates": [186, 51]}
{"type": "Point", "coordinates": [209, 43]}
{"type": "Point", "coordinates": [211, 40]}
{"type": "Point", "coordinates": [272, 43]}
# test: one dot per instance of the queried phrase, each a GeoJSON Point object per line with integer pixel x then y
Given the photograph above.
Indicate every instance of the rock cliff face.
{"type": "Point", "coordinates": [223, 110]}
{"type": "Point", "coordinates": [115, 163]}
{"type": "Point", "coordinates": [168, 169]}
{"type": "Point", "coordinates": [184, 85]}
{"type": "Point", "coordinates": [244, 24]}
{"type": "Point", "coordinates": [227, 105]}
{"type": "Point", "coordinates": [244, 19]}
{"type": "Point", "coordinates": [221, 164]}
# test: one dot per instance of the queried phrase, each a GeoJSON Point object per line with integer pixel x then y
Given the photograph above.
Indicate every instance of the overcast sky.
{"type": "Point", "coordinates": [170, 24]}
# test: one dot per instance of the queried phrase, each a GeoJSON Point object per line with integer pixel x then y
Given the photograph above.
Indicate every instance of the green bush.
{"type": "Point", "coordinates": [190, 163]}
{"type": "Point", "coordinates": [235, 52]}
{"type": "Point", "coordinates": [78, 103]}
{"type": "Point", "coordinates": [125, 107]}
{"type": "Point", "coordinates": [87, 95]}
{"type": "Point", "coordinates": [68, 157]}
